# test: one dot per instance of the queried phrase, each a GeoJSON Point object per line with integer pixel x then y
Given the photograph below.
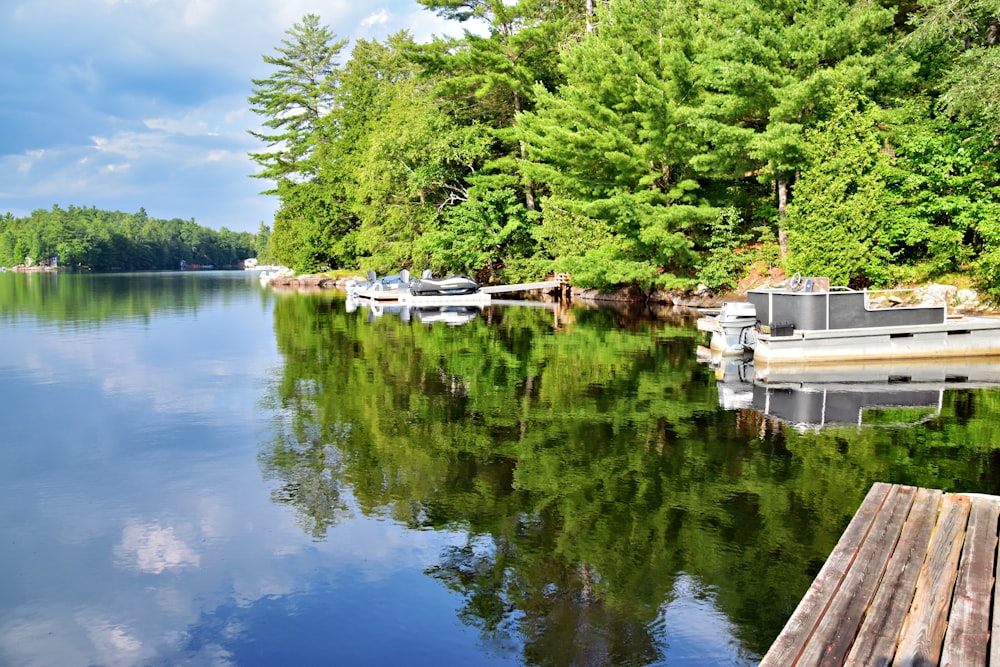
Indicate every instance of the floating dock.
{"type": "Point", "coordinates": [911, 582]}
{"type": "Point", "coordinates": [522, 287]}
{"type": "Point", "coordinates": [481, 297]}
{"type": "Point", "coordinates": [403, 298]}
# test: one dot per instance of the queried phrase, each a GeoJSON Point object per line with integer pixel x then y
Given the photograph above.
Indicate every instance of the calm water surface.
{"type": "Point", "coordinates": [198, 471]}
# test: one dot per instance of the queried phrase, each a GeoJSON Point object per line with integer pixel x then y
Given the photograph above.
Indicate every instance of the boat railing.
{"type": "Point", "coordinates": [782, 310]}
{"type": "Point", "coordinates": [906, 297]}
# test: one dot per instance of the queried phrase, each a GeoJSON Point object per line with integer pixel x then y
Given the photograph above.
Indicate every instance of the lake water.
{"type": "Point", "coordinates": [195, 470]}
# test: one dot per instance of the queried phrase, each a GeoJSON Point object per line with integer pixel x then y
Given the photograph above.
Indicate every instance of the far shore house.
{"type": "Point", "coordinates": [48, 264]}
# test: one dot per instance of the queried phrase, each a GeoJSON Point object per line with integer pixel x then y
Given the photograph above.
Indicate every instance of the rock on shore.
{"type": "Point", "coordinates": [307, 281]}
{"type": "Point", "coordinates": [965, 301]}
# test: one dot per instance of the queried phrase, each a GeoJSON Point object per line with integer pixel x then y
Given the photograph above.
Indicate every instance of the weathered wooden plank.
{"type": "Point", "coordinates": [785, 650]}
{"type": "Point", "coordinates": [875, 644]}
{"type": "Point", "coordinates": [836, 630]}
{"type": "Point", "coordinates": [967, 638]}
{"type": "Point", "coordinates": [520, 287]}
{"type": "Point", "coordinates": [923, 631]}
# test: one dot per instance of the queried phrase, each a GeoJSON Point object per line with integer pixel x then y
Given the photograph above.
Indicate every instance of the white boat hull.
{"type": "Point", "coordinates": [964, 337]}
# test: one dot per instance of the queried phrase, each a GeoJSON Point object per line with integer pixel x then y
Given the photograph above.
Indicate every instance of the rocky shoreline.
{"type": "Point", "coordinates": [965, 301]}
{"type": "Point", "coordinates": [306, 282]}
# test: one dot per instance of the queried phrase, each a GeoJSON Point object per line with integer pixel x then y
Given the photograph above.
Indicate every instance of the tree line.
{"type": "Point", "coordinates": [88, 238]}
{"type": "Point", "coordinates": [657, 143]}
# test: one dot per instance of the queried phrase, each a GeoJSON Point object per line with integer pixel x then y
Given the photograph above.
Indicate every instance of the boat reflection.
{"type": "Point", "coordinates": [814, 397]}
{"type": "Point", "coordinates": [452, 315]}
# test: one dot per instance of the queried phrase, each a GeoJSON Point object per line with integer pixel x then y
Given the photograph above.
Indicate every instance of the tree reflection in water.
{"type": "Point", "coordinates": [586, 458]}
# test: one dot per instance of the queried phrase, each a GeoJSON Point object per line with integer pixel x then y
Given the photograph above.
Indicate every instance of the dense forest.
{"type": "Point", "coordinates": [657, 143]}
{"type": "Point", "coordinates": [88, 238]}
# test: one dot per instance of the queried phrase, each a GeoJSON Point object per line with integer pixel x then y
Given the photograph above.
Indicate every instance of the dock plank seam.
{"type": "Point", "coordinates": [995, 622]}
{"type": "Point", "coordinates": [967, 635]}
{"type": "Point", "coordinates": [910, 583]}
{"type": "Point", "coordinates": [875, 645]}
{"type": "Point", "coordinates": [922, 635]}
{"type": "Point", "coordinates": [838, 629]}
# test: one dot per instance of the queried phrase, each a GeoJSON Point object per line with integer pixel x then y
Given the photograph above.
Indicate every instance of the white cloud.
{"type": "Point", "coordinates": [187, 124]}
{"type": "Point", "coordinates": [220, 156]}
{"type": "Point", "coordinates": [116, 168]}
{"type": "Point", "coordinates": [157, 85]}
{"type": "Point", "coordinates": [380, 17]}
{"type": "Point", "coordinates": [27, 161]}
{"type": "Point", "coordinates": [132, 144]}
{"type": "Point", "coordinates": [198, 13]}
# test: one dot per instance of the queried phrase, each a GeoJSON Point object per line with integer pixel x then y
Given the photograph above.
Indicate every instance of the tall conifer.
{"type": "Point", "coordinates": [294, 99]}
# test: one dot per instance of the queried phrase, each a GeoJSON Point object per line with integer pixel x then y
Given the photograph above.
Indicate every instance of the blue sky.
{"type": "Point", "coordinates": [122, 104]}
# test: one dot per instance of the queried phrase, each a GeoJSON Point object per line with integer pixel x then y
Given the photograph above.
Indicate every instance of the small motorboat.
{"type": "Point", "coordinates": [424, 291]}
{"type": "Point", "coordinates": [808, 321]}
{"type": "Point", "coordinates": [386, 288]}
{"type": "Point", "coordinates": [428, 285]}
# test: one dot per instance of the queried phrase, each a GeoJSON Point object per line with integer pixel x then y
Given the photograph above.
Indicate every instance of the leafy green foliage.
{"type": "Point", "coordinates": [488, 81]}
{"type": "Point", "coordinates": [627, 137]}
{"type": "Point", "coordinates": [890, 196]}
{"type": "Point", "coordinates": [613, 146]}
{"type": "Point", "coordinates": [838, 224]}
{"type": "Point", "coordinates": [731, 254]}
{"type": "Point", "coordinates": [479, 236]}
{"type": "Point", "coordinates": [959, 37]}
{"type": "Point", "coordinates": [405, 174]}
{"type": "Point", "coordinates": [946, 201]}
{"type": "Point", "coordinates": [306, 236]}
{"type": "Point", "coordinates": [262, 243]}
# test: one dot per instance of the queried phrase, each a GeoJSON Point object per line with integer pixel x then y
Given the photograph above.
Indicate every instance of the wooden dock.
{"type": "Point", "coordinates": [911, 582]}
{"type": "Point", "coordinates": [521, 287]}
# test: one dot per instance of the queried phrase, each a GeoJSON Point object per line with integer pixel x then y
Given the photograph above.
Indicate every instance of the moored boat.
{"type": "Point", "coordinates": [428, 285]}
{"type": "Point", "coordinates": [423, 291]}
{"type": "Point", "coordinates": [386, 288]}
{"type": "Point", "coordinates": [809, 322]}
